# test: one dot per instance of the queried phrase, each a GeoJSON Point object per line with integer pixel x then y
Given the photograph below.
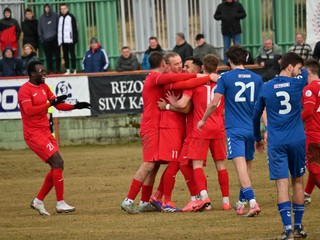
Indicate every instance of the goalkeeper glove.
{"type": "Point", "coordinates": [82, 105]}
{"type": "Point", "coordinates": [58, 100]}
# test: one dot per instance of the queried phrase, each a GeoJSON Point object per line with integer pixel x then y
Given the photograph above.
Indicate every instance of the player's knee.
{"type": "Point", "coordinates": [150, 166]}
{"type": "Point", "coordinates": [55, 161]}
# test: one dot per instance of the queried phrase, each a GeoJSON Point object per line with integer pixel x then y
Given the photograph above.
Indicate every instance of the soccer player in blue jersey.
{"type": "Point", "coordinates": [281, 97]}
{"type": "Point", "coordinates": [240, 88]}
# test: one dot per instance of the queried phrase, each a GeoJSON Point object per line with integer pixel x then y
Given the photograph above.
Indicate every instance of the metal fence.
{"type": "Point", "coordinates": [117, 23]}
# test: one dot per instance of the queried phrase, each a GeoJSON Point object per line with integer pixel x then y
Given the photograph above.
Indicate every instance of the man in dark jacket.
{"type": "Point", "coordinates": [230, 12]}
{"type": "Point", "coordinates": [96, 59]}
{"type": "Point", "coordinates": [47, 31]}
{"type": "Point", "coordinates": [183, 48]}
{"type": "Point", "coordinates": [154, 46]}
{"type": "Point", "coordinates": [10, 32]}
{"type": "Point", "coordinates": [68, 37]}
{"type": "Point", "coordinates": [10, 66]}
{"type": "Point", "coordinates": [30, 29]}
{"type": "Point", "coordinates": [127, 61]}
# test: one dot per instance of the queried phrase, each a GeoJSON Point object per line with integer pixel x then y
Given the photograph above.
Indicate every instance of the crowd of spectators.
{"type": "Point", "coordinates": [57, 33]}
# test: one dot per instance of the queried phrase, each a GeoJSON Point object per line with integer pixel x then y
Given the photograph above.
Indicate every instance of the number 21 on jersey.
{"type": "Point", "coordinates": [243, 87]}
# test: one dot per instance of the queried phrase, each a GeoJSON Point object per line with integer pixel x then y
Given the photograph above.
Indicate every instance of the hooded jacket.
{"type": "Point", "coordinates": [30, 32]}
{"type": "Point", "coordinates": [95, 60]}
{"type": "Point", "coordinates": [48, 25]}
{"type": "Point", "coordinates": [10, 66]}
{"type": "Point", "coordinates": [67, 29]}
{"type": "Point", "coordinates": [10, 31]}
{"type": "Point", "coordinates": [25, 60]}
{"type": "Point", "coordinates": [145, 60]}
{"type": "Point", "coordinates": [230, 15]}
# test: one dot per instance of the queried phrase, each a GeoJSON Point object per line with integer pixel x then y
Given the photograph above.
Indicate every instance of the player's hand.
{"type": "Point", "coordinates": [201, 123]}
{"type": "Point", "coordinates": [262, 64]}
{"type": "Point", "coordinates": [171, 97]}
{"type": "Point", "coordinates": [57, 100]}
{"type": "Point", "coordinates": [260, 146]}
{"type": "Point", "coordinates": [162, 104]}
{"type": "Point", "coordinates": [82, 105]}
{"type": "Point", "coordinates": [214, 77]}
{"type": "Point", "coordinates": [265, 137]}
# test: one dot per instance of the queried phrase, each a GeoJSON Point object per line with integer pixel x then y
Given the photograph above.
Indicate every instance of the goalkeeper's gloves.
{"type": "Point", "coordinates": [82, 105]}
{"type": "Point", "coordinates": [58, 100]}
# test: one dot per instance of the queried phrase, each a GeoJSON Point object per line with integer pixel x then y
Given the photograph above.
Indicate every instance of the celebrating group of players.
{"type": "Point", "coordinates": [207, 111]}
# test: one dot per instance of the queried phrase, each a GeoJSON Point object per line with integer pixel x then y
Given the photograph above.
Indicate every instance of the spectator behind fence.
{"type": "Point", "coordinates": [127, 61]}
{"type": "Point", "coordinates": [9, 32]}
{"type": "Point", "coordinates": [29, 54]}
{"type": "Point", "coordinates": [230, 13]}
{"type": "Point", "coordinates": [183, 48]}
{"type": "Point", "coordinates": [68, 37]}
{"type": "Point", "coordinates": [203, 48]}
{"type": "Point", "coordinates": [96, 59]}
{"type": "Point", "coordinates": [9, 65]}
{"type": "Point", "coordinates": [30, 29]}
{"type": "Point", "coordinates": [266, 53]}
{"type": "Point", "coordinates": [274, 70]}
{"type": "Point", "coordinates": [301, 48]}
{"type": "Point", "coordinates": [47, 31]}
{"type": "Point", "coordinates": [316, 52]}
{"type": "Point", "coordinates": [154, 46]}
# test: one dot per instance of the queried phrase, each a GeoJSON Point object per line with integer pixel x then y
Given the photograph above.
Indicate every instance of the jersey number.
{"type": "Point", "coordinates": [284, 102]}
{"type": "Point", "coordinates": [244, 86]}
{"type": "Point", "coordinates": [210, 94]}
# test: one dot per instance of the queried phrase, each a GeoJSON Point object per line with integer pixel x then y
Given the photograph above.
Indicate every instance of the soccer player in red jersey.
{"type": "Point", "coordinates": [213, 137]}
{"type": "Point", "coordinates": [311, 118]}
{"type": "Point", "coordinates": [35, 97]}
{"type": "Point", "coordinates": [149, 129]}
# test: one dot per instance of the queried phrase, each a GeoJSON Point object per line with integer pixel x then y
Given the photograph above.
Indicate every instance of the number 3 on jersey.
{"type": "Point", "coordinates": [243, 88]}
{"type": "Point", "coordinates": [284, 102]}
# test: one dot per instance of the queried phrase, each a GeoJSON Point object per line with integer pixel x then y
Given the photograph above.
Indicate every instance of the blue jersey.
{"type": "Point", "coordinates": [282, 98]}
{"type": "Point", "coordinates": [240, 88]}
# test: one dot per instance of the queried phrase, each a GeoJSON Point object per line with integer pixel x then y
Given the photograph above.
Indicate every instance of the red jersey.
{"type": "Point", "coordinates": [36, 95]}
{"type": "Point", "coordinates": [189, 124]}
{"type": "Point", "coordinates": [311, 94]}
{"type": "Point", "coordinates": [214, 127]}
{"type": "Point", "coordinates": [151, 94]}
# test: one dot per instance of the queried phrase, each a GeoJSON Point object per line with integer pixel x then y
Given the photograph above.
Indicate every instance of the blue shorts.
{"type": "Point", "coordinates": [288, 157]}
{"type": "Point", "coordinates": [240, 143]}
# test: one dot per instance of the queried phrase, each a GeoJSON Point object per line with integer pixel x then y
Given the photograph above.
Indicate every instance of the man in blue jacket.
{"type": "Point", "coordinates": [96, 59]}
{"type": "Point", "coordinates": [9, 65]}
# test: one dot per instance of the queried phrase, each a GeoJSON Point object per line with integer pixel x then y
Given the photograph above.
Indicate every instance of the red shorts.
{"type": "Point", "coordinates": [198, 149]}
{"type": "Point", "coordinates": [150, 145]}
{"type": "Point", "coordinates": [313, 156]}
{"type": "Point", "coordinates": [183, 157]}
{"type": "Point", "coordinates": [170, 143]}
{"type": "Point", "coordinates": [43, 144]}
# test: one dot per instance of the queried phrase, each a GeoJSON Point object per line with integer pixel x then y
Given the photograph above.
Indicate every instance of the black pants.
{"type": "Point", "coordinates": [69, 48]}
{"type": "Point", "coordinates": [51, 48]}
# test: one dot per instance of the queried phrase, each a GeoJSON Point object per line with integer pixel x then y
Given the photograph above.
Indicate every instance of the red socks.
{"type": "Point", "coordinates": [46, 186]}
{"type": "Point", "coordinates": [187, 172]}
{"type": "Point", "coordinates": [146, 193]}
{"type": "Point", "coordinates": [169, 180]}
{"type": "Point", "coordinates": [310, 184]}
{"type": "Point", "coordinates": [58, 183]}
{"type": "Point", "coordinates": [223, 178]}
{"type": "Point", "coordinates": [200, 179]}
{"type": "Point", "coordinates": [134, 189]}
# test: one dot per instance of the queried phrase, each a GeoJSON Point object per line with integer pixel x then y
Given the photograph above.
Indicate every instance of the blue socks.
{"type": "Point", "coordinates": [285, 213]}
{"type": "Point", "coordinates": [248, 193]}
{"type": "Point", "coordinates": [242, 198]}
{"type": "Point", "coordinates": [298, 210]}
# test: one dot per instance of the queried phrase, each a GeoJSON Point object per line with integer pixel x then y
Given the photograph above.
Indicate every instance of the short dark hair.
{"type": "Point", "coordinates": [313, 66]}
{"type": "Point", "coordinates": [210, 63]}
{"type": "Point", "coordinates": [195, 60]}
{"type": "Point", "coordinates": [237, 55]}
{"type": "Point", "coordinates": [27, 10]}
{"type": "Point", "coordinates": [290, 58]}
{"type": "Point", "coordinates": [155, 59]}
{"type": "Point", "coordinates": [32, 67]}
{"type": "Point", "coordinates": [199, 36]}
{"type": "Point", "coordinates": [63, 4]}
{"type": "Point", "coordinates": [125, 47]}
{"type": "Point", "coordinates": [153, 38]}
